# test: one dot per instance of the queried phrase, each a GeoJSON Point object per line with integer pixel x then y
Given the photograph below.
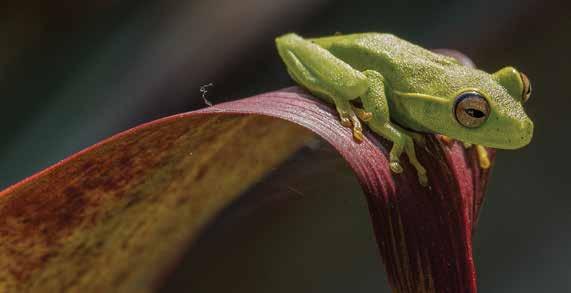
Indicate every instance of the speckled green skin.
{"type": "Point", "coordinates": [406, 86]}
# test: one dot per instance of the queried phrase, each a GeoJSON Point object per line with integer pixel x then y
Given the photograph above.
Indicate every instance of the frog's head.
{"type": "Point", "coordinates": [494, 115]}
{"type": "Point", "coordinates": [483, 108]}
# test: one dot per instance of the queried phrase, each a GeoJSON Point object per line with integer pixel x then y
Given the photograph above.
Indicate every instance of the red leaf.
{"type": "Point", "coordinates": [113, 216]}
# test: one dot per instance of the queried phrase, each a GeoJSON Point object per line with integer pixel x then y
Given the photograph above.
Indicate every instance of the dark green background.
{"type": "Point", "coordinates": [75, 72]}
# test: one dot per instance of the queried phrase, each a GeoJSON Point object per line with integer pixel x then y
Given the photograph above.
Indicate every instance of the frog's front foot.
{"type": "Point", "coordinates": [446, 139]}
{"type": "Point", "coordinates": [483, 157]}
{"type": "Point", "coordinates": [402, 142]}
{"type": "Point", "coordinates": [406, 143]}
{"type": "Point", "coordinates": [395, 166]}
{"type": "Point", "coordinates": [362, 114]}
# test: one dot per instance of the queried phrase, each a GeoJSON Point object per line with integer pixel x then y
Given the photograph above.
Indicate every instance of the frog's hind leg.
{"type": "Point", "coordinates": [375, 101]}
{"type": "Point", "coordinates": [324, 75]}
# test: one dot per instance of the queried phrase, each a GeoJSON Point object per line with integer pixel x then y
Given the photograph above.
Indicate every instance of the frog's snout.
{"type": "Point", "coordinates": [527, 125]}
{"type": "Point", "coordinates": [526, 130]}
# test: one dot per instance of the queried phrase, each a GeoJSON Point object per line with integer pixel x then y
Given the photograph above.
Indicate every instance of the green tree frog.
{"type": "Point", "coordinates": [398, 88]}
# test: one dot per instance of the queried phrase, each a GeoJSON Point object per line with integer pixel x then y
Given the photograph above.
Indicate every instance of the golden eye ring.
{"type": "Point", "coordinates": [525, 95]}
{"type": "Point", "coordinates": [471, 109]}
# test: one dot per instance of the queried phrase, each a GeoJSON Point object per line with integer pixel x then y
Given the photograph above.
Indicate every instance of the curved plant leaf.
{"type": "Point", "coordinates": [114, 216]}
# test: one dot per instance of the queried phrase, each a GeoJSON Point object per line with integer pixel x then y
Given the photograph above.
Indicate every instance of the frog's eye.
{"type": "Point", "coordinates": [471, 109]}
{"type": "Point", "coordinates": [526, 87]}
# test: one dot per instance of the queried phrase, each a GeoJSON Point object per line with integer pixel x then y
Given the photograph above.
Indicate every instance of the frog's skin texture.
{"type": "Point", "coordinates": [396, 87]}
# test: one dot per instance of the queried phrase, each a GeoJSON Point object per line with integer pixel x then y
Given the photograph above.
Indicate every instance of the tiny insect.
{"type": "Point", "coordinates": [204, 91]}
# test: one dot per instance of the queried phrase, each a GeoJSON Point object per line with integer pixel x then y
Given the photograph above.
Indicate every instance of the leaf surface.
{"type": "Point", "coordinates": [116, 215]}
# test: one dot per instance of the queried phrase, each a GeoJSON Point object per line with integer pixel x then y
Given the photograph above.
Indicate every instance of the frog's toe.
{"type": "Point", "coordinates": [483, 157]}
{"type": "Point", "coordinates": [357, 127]}
{"type": "Point", "coordinates": [422, 177]}
{"type": "Point", "coordinates": [485, 163]}
{"type": "Point", "coordinates": [350, 119]}
{"type": "Point", "coordinates": [362, 114]}
{"type": "Point", "coordinates": [345, 121]}
{"type": "Point", "coordinates": [446, 139]}
{"type": "Point", "coordinates": [417, 138]}
{"type": "Point", "coordinates": [395, 167]}
{"type": "Point", "coordinates": [411, 153]}
{"type": "Point", "coordinates": [358, 134]}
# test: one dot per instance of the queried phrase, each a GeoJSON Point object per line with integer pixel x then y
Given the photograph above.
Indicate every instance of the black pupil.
{"type": "Point", "coordinates": [474, 113]}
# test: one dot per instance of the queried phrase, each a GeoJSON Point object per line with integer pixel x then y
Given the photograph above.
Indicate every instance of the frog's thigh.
{"type": "Point", "coordinates": [375, 101]}
{"type": "Point", "coordinates": [324, 75]}
{"type": "Point", "coordinates": [320, 71]}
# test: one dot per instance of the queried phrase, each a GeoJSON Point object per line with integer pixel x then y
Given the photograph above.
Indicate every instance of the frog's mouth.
{"type": "Point", "coordinates": [511, 139]}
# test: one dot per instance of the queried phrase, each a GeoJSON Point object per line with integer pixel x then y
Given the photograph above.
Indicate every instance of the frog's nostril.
{"type": "Point", "coordinates": [526, 127]}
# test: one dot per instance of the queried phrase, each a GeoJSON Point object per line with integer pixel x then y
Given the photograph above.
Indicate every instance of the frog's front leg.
{"type": "Point", "coordinates": [483, 158]}
{"type": "Point", "coordinates": [482, 153]}
{"type": "Point", "coordinates": [375, 101]}
{"type": "Point", "coordinates": [325, 76]}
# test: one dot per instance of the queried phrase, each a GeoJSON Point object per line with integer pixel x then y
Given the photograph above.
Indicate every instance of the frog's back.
{"type": "Point", "coordinates": [389, 55]}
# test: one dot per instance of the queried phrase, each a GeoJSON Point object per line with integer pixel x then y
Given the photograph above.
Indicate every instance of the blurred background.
{"type": "Point", "coordinates": [75, 72]}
